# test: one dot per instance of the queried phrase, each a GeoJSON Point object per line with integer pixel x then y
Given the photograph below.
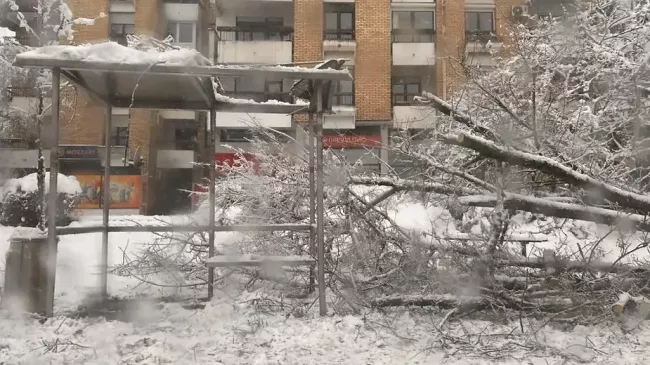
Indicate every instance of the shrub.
{"type": "Point", "coordinates": [19, 204]}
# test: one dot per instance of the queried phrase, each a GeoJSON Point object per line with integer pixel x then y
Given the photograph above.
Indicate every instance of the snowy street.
{"type": "Point", "coordinates": [249, 328]}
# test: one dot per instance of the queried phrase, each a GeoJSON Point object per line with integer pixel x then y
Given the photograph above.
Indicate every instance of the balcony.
{"type": "Point", "coordinates": [412, 117]}
{"type": "Point", "coordinates": [479, 47]}
{"type": "Point", "coordinates": [254, 45]}
{"type": "Point", "coordinates": [247, 120]}
{"type": "Point", "coordinates": [181, 10]}
{"type": "Point", "coordinates": [412, 48]}
{"type": "Point", "coordinates": [339, 40]}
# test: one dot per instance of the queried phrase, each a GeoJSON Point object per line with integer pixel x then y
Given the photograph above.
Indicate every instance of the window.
{"type": "Point", "coordinates": [120, 136]}
{"type": "Point", "coordinates": [122, 24]}
{"type": "Point", "coordinates": [339, 24]}
{"type": "Point", "coordinates": [181, 32]}
{"type": "Point", "coordinates": [405, 89]}
{"type": "Point", "coordinates": [413, 26]}
{"type": "Point", "coordinates": [185, 138]}
{"type": "Point", "coordinates": [273, 87]}
{"type": "Point", "coordinates": [479, 22]}
{"type": "Point", "coordinates": [343, 93]}
{"type": "Point", "coordinates": [261, 29]}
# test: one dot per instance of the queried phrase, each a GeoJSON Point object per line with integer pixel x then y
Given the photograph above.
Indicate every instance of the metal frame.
{"type": "Point", "coordinates": [201, 76]}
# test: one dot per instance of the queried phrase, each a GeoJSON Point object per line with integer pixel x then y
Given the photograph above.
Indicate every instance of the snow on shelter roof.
{"type": "Point", "coordinates": [176, 79]}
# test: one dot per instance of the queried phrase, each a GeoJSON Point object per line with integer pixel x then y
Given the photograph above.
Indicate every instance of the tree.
{"type": "Point", "coordinates": [53, 22]}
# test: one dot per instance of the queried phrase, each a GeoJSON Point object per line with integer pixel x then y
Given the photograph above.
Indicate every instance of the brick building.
{"type": "Point", "coordinates": [396, 49]}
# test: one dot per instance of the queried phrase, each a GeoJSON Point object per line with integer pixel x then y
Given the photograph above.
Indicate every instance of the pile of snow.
{"type": "Point", "coordinates": [112, 52]}
{"type": "Point", "coordinates": [27, 184]}
{"type": "Point", "coordinates": [4, 32]}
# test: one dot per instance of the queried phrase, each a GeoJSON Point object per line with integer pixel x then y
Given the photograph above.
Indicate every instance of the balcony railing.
{"type": "Point", "coordinates": [338, 34]}
{"type": "Point", "coordinates": [414, 36]}
{"type": "Point", "coordinates": [481, 36]}
{"type": "Point", "coordinates": [248, 34]}
{"type": "Point", "coordinates": [260, 96]}
{"type": "Point", "coordinates": [343, 99]}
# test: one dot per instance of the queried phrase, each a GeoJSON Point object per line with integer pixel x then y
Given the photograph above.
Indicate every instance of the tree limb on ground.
{"type": "Point", "coordinates": [546, 206]}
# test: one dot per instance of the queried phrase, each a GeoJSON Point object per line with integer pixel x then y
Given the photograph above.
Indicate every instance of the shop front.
{"type": "Point", "coordinates": [86, 164]}
{"type": "Point", "coordinates": [360, 144]}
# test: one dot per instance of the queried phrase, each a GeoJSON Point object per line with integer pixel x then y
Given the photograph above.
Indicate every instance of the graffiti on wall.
{"type": "Point", "coordinates": [126, 191]}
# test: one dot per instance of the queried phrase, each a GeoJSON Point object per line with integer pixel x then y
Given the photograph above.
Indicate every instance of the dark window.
{"type": "Point", "coordinates": [405, 89]}
{"type": "Point", "coordinates": [181, 32]}
{"type": "Point", "coordinates": [185, 138]}
{"type": "Point", "coordinates": [260, 29]}
{"type": "Point", "coordinates": [413, 26]}
{"type": "Point", "coordinates": [122, 24]}
{"type": "Point", "coordinates": [339, 24]}
{"type": "Point", "coordinates": [343, 93]}
{"type": "Point", "coordinates": [246, 135]}
{"type": "Point", "coordinates": [120, 31]}
{"type": "Point", "coordinates": [120, 136]}
{"type": "Point", "coordinates": [479, 21]}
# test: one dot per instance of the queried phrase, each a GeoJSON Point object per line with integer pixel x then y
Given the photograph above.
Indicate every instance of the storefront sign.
{"type": "Point", "coordinates": [126, 191]}
{"type": "Point", "coordinates": [351, 141]}
{"type": "Point", "coordinates": [82, 152]}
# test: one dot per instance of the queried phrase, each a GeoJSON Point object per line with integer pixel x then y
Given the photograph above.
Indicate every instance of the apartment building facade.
{"type": "Point", "coordinates": [395, 50]}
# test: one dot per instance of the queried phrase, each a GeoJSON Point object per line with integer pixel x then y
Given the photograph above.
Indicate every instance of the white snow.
{"type": "Point", "coordinates": [29, 183]}
{"type": "Point", "coordinates": [114, 52]}
{"type": "Point", "coordinates": [227, 99]}
{"type": "Point", "coordinates": [234, 328]}
{"type": "Point", "coordinates": [84, 21]}
{"type": "Point", "coordinates": [5, 32]}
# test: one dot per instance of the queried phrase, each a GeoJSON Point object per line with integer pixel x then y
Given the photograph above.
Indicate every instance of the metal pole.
{"type": "Point", "coordinates": [106, 190]}
{"type": "Point", "coordinates": [312, 202]}
{"type": "Point", "coordinates": [211, 189]}
{"type": "Point", "coordinates": [52, 195]}
{"type": "Point", "coordinates": [320, 213]}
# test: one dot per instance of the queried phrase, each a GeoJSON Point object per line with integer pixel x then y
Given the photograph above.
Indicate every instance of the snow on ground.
{"type": "Point", "coordinates": [235, 328]}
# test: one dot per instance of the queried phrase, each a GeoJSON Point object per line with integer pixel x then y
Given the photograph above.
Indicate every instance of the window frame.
{"type": "Point", "coordinates": [478, 13]}
{"type": "Point", "coordinates": [339, 34]}
{"type": "Point", "coordinates": [411, 34]}
{"type": "Point", "coordinates": [119, 134]}
{"type": "Point", "coordinates": [176, 33]}
{"type": "Point", "coordinates": [338, 96]}
{"type": "Point", "coordinates": [271, 29]}
{"type": "Point", "coordinates": [405, 81]}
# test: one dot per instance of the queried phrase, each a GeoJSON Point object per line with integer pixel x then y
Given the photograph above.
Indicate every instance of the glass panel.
{"type": "Point", "coordinates": [401, 19]}
{"type": "Point", "coordinates": [122, 18]}
{"type": "Point", "coordinates": [413, 89]}
{"type": "Point", "coordinates": [185, 32]}
{"type": "Point", "coordinates": [274, 86]}
{"type": "Point", "coordinates": [423, 20]}
{"type": "Point", "coordinates": [129, 29]}
{"type": "Point", "coordinates": [471, 21]}
{"type": "Point", "coordinates": [116, 29]}
{"type": "Point", "coordinates": [485, 22]}
{"type": "Point", "coordinates": [398, 88]}
{"type": "Point", "coordinates": [347, 21]}
{"type": "Point", "coordinates": [331, 21]}
{"type": "Point", "coordinates": [275, 22]}
{"type": "Point", "coordinates": [172, 30]}
{"type": "Point", "coordinates": [345, 86]}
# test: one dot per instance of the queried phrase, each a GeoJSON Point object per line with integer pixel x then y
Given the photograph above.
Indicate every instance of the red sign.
{"type": "Point", "coordinates": [351, 141]}
{"type": "Point", "coordinates": [224, 160]}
